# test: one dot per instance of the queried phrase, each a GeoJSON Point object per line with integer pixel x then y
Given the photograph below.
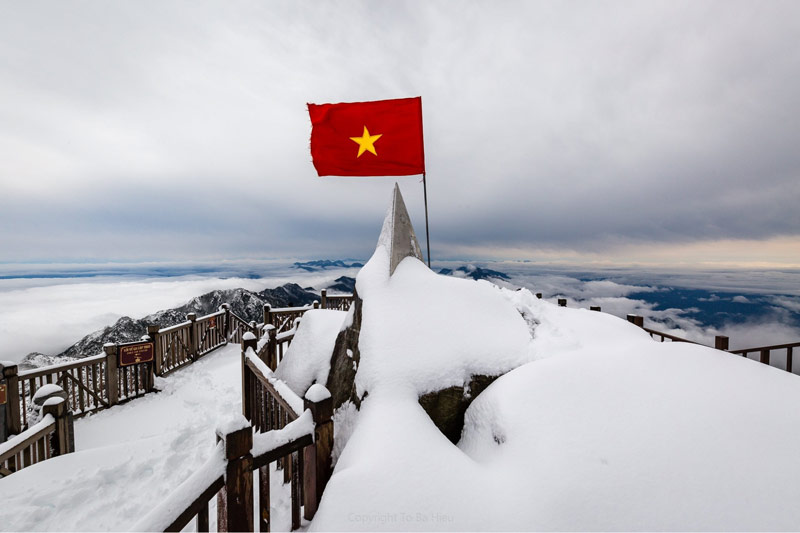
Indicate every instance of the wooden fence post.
{"type": "Point", "coordinates": [158, 354]}
{"type": "Point", "coordinates": [317, 462]}
{"type": "Point", "coordinates": [636, 320]}
{"type": "Point", "coordinates": [272, 347]}
{"type": "Point", "coordinates": [227, 321]}
{"type": "Point", "coordinates": [721, 343]}
{"type": "Point", "coordinates": [315, 304]}
{"type": "Point", "coordinates": [192, 317]}
{"type": "Point", "coordinates": [155, 367]}
{"type": "Point", "coordinates": [61, 441]}
{"type": "Point", "coordinates": [112, 374]}
{"type": "Point", "coordinates": [248, 341]}
{"type": "Point", "coordinates": [267, 314]}
{"type": "Point", "coordinates": [562, 302]}
{"type": "Point", "coordinates": [594, 308]}
{"type": "Point", "coordinates": [235, 500]}
{"type": "Point", "coordinates": [324, 299]}
{"type": "Point", "coordinates": [765, 356]}
{"type": "Point", "coordinates": [539, 295]}
{"type": "Point", "coordinates": [13, 415]}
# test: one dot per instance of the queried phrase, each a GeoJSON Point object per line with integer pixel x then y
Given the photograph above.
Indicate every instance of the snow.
{"type": "Point", "coordinates": [294, 400]}
{"type": "Point", "coordinates": [168, 509]}
{"type": "Point", "coordinates": [249, 336]}
{"type": "Point", "coordinates": [593, 426]}
{"type": "Point", "coordinates": [134, 456]}
{"type": "Point", "coordinates": [6, 446]}
{"type": "Point", "coordinates": [266, 442]}
{"type": "Point", "coordinates": [317, 393]}
{"type": "Point", "coordinates": [422, 332]}
{"type": "Point", "coordinates": [234, 423]}
{"type": "Point", "coordinates": [48, 389]}
{"type": "Point", "coordinates": [55, 400]}
{"type": "Point", "coordinates": [308, 358]}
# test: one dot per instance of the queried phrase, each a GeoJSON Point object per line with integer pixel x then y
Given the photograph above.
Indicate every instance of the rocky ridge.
{"type": "Point", "coordinates": [247, 304]}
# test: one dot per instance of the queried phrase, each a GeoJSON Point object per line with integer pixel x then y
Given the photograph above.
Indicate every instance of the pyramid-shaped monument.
{"type": "Point", "coordinates": [397, 234]}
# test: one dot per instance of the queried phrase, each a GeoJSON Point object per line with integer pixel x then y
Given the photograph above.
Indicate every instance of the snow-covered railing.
{"type": "Point", "coordinates": [338, 302]}
{"type": "Point", "coordinates": [272, 346]}
{"type": "Point", "coordinates": [228, 474]}
{"type": "Point", "coordinates": [83, 380]}
{"type": "Point", "coordinates": [238, 326]}
{"type": "Point", "coordinates": [283, 318]}
{"type": "Point", "coordinates": [270, 405]}
{"type": "Point", "coordinates": [266, 401]}
{"type": "Point", "coordinates": [210, 332]}
{"type": "Point", "coordinates": [47, 438]}
{"type": "Point", "coordinates": [184, 343]}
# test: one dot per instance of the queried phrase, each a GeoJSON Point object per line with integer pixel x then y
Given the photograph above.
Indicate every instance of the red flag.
{"type": "Point", "coordinates": [382, 138]}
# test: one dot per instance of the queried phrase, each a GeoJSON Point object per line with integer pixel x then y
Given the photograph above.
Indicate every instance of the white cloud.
{"type": "Point", "coordinates": [135, 130]}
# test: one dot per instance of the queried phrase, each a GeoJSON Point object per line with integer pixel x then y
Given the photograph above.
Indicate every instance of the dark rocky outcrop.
{"type": "Point", "coordinates": [345, 360]}
{"type": "Point", "coordinates": [343, 284]}
{"type": "Point", "coordinates": [446, 407]}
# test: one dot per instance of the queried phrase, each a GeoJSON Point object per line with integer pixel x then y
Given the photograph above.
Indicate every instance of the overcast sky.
{"type": "Point", "coordinates": [573, 131]}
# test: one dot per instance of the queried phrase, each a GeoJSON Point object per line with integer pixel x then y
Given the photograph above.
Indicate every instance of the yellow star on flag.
{"type": "Point", "coordinates": [366, 143]}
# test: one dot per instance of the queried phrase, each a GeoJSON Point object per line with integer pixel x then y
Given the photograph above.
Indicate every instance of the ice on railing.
{"type": "Point", "coordinates": [185, 494]}
{"type": "Point", "coordinates": [294, 401]}
{"type": "Point", "coordinates": [266, 442]}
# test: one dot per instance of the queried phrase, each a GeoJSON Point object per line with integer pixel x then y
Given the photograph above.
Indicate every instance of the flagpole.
{"type": "Point", "coordinates": [427, 232]}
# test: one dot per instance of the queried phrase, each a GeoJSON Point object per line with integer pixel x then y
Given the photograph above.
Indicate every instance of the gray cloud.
{"type": "Point", "coordinates": [156, 129]}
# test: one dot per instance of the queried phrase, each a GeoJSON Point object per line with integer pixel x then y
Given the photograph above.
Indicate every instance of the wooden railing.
{"type": "Point", "coordinates": [84, 381]}
{"type": "Point", "coordinates": [101, 381]}
{"type": "Point", "coordinates": [339, 302]}
{"type": "Point", "coordinates": [721, 342]}
{"type": "Point", "coordinates": [174, 348]}
{"type": "Point", "coordinates": [210, 332]}
{"type": "Point", "coordinates": [283, 317]}
{"type": "Point", "coordinates": [764, 353]}
{"type": "Point", "coordinates": [238, 326]}
{"type": "Point", "coordinates": [47, 438]}
{"type": "Point", "coordinates": [228, 475]}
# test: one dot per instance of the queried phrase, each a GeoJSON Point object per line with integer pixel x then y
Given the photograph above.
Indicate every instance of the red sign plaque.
{"type": "Point", "coordinates": [212, 322]}
{"type": "Point", "coordinates": [132, 354]}
{"type": "Point", "coordinates": [2, 394]}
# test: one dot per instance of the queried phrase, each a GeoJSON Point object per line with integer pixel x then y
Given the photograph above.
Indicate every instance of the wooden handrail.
{"type": "Point", "coordinates": [261, 371]}
{"type": "Point", "coordinates": [60, 367]}
{"type": "Point", "coordinates": [768, 348]}
{"type": "Point", "coordinates": [673, 338]}
{"type": "Point", "coordinates": [16, 444]}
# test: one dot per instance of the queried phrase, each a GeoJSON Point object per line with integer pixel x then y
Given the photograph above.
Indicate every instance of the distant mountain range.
{"type": "Point", "coordinates": [247, 304]}
{"type": "Point", "coordinates": [322, 264]}
{"type": "Point", "coordinates": [474, 272]}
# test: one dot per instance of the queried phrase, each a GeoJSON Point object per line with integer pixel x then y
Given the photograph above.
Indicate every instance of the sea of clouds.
{"type": "Point", "coordinates": [47, 308]}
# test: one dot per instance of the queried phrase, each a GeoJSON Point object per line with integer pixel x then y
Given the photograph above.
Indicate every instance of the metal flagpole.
{"type": "Point", "coordinates": [427, 232]}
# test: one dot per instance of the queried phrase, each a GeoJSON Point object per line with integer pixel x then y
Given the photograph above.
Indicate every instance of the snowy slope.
{"type": "Point", "coordinates": [129, 458]}
{"type": "Point", "coordinates": [595, 426]}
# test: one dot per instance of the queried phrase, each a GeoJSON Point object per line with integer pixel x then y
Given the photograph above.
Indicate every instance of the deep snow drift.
{"type": "Point", "coordinates": [594, 425]}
